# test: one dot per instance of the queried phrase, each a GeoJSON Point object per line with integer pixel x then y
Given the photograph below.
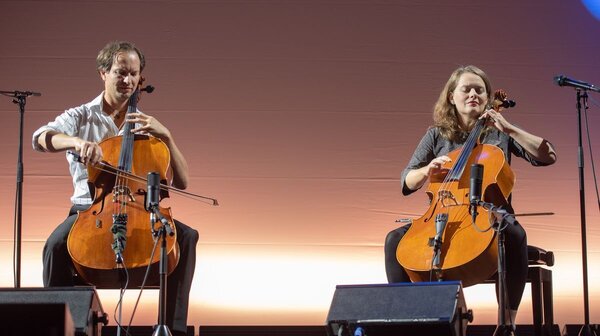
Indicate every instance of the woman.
{"type": "Point", "coordinates": [461, 103]}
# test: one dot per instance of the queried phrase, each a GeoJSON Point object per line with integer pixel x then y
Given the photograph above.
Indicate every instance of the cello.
{"type": "Point", "coordinates": [469, 249]}
{"type": "Point", "coordinates": [117, 217]}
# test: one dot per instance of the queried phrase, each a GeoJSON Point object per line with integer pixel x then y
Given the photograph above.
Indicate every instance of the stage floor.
{"type": "Point", "coordinates": [472, 330]}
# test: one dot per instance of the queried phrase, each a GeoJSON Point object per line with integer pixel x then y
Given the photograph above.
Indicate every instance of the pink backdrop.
{"type": "Point", "coordinates": [298, 116]}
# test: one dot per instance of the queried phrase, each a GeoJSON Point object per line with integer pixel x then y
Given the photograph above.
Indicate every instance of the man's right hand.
{"type": "Point", "coordinates": [89, 152]}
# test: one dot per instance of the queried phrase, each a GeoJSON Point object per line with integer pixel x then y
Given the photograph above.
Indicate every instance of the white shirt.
{"type": "Point", "coordinates": [87, 122]}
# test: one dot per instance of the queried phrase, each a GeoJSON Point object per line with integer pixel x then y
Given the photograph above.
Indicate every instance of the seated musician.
{"type": "Point", "coordinates": [80, 129]}
{"type": "Point", "coordinates": [461, 103]}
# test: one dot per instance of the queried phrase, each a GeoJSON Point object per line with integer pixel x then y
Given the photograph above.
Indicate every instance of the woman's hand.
{"type": "Point", "coordinates": [497, 120]}
{"type": "Point", "coordinates": [417, 177]}
{"type": "Point", "coordinates": [435, 166]}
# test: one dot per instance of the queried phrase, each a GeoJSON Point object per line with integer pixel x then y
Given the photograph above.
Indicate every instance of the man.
{"type": "Point", "coordinates": [80, 129]}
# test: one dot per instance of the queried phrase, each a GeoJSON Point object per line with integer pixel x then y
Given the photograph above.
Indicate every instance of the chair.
{"type": "Point", "coordinates": [540, 277]}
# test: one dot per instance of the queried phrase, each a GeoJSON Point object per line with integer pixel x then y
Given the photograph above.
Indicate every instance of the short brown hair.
{"type": "Point", "coordinates": [107, 55]}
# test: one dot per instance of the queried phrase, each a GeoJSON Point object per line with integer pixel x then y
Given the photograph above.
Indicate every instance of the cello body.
{"type": "Point", "coordinates": [120, 200]}
{"type": "Point", "coordinates": [468, 254]}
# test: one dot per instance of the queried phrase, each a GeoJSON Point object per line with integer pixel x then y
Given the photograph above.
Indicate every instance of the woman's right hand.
{"type": "Point", "coordinates": [435, 166]}
{"type": "Point", "coordinates": [416, 178]}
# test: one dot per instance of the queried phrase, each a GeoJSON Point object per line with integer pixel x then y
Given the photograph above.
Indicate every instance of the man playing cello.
{"type": "Point", "coordinates": [80, 129]}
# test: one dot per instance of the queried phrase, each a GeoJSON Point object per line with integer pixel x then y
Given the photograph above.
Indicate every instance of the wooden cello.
{"type": "Point", "coordinates": [469, 251]}
{"type": "Point", "coordinates": [117, 224]}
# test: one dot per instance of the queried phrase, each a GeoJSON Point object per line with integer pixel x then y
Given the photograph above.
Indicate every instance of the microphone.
{"type": "Point", "coordinates": [152, 199]}
{"type": "Point", "coordinates": [475, 188]}
{"type": "Point", "coordinates": [153, 187]}
{"type": "Point", "coordinates": [566, 81]}
{"type": "Point", "coordinates": [21, 93]}
{"type": "Point", "coordinates": [441, 220]}
{"type": "Point", "coordinates": [119, 231]}
{"type": "Point", "coordinates": [35, 94]}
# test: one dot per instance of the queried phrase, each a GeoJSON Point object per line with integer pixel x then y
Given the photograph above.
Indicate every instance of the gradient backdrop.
{"type": "Point", "coordinates": [298, 116]}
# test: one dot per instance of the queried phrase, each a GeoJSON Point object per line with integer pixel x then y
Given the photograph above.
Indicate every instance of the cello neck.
{"type": "Point", "coordinates": [460, 164]}
{"type": "Point", "coordinates": [126, 156]}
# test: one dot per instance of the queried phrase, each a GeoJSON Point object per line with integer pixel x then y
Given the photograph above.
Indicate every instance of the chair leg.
{"type": "Point", "coordinates": [548, 301]}
{"type": "Point", "coordinates": [536, 299]}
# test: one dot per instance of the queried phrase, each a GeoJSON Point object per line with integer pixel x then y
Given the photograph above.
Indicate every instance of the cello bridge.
{"type": "Point", "coordinates": [446, 195]}
{"type": "Point", "coordinates": [122, 190]}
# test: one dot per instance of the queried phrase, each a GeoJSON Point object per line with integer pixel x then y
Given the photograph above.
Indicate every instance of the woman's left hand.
{"type": "Point", "coordinates": [497, 120]}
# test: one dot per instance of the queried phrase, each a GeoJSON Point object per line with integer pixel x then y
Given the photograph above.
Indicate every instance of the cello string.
{"type": "Point", "coordinates": [127, 153]}
{"type": "Point", "coordinates": [457, 169]}
{"type": "Point", "coordinates": [475, 134]}
{"type": "Point", "coordinates": [120, 200]}
{"type": "Point", "coordinates": [467, 150]}
{"type": "Point", "coordinates": [452, 176]}
{"type": "Point", "coordinates": [463, 156]}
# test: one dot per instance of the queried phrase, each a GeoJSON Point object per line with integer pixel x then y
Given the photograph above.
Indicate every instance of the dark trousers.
{"type": "Point", "coordinates": [58, 267]}
{"type": "Point", "coordinates": [516, 261]}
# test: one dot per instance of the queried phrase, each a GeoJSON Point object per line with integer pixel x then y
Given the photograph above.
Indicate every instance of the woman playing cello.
{"type": "Point", "coordinates": [463, 101]}
{"type": "Point", "coordinates": [81, 129]}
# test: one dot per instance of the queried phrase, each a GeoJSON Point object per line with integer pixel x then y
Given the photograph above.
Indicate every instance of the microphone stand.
{"type": "Point", "coordinates": [161, 329]}
{"type": "Point", "coordinates": [503, 218]}
{"type": "Point", "coordinates": [20, 98]}
{"type": "Point", "coordinates": [586, 329]}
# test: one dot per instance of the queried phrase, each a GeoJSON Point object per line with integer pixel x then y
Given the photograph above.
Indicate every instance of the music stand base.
{"type": "Point", "coordinates": [162, 330]}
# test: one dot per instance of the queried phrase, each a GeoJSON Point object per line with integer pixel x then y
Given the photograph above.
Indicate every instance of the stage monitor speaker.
{"type": "Point", "coordinates": [49, 319]}
{"type": "Point", "coordinates": [83, 303]}
{"type": "Point", "coordinates": [426, 308]}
